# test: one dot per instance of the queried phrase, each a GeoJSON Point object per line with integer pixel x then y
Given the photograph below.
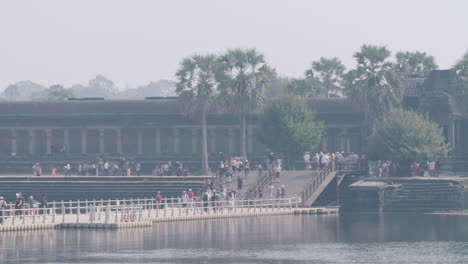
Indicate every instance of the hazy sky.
{"type": "Point", "coordinates": [133, 42]}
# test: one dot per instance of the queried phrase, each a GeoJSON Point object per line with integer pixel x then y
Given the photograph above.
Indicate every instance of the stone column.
{"type": "Point", "coordinates": [84, 140]}
{"type": "Point", "coordinates": [118, 131]}
{"type": "Point", "coordinates": [158, 140]}
{"type": "Point", "coordinates": [231, 140]}
{"type": "Point", "coordinates": [451, 135]}
{"type": "Point", "coordinates": [32, 142]}
{"type": "Point", "coordinates": [66, 140]}
{"type": "Point", "coordinates": [101, 140]}
{"type": "Point", "coordinates": [140, 141]}
{"type": "Point", "coordinates": [176, 139]}
{"type": "Point", "coordinates": [212, 140]}
{"type": "Point", "coordinates": [14, 145]}
{"type": "Point", "coordinates": [324, 143]}
{"type": "Point", "coordinates": [48, 141]}
{"type": "Point", "coordinates": [194, 140]}
{"type": "Point", "coordinates": [458, 138]}
{"type": "Point", "coordinates": [250, 138]}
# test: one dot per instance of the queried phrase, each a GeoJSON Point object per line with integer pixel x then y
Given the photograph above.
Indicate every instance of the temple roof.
{"type": "Point", "coordinates": [413, 86]}
{"type": "Point", "coordinates": [140, 107]}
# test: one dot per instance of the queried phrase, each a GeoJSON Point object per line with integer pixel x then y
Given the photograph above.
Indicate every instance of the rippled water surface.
{"type": "Point", "coordinates": [345, 238]}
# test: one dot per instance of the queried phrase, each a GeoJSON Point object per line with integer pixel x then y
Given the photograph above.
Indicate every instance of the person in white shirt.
{"type": "Point", "coordinates": [307, 161]}
{"type": "Point", "coordinates": [431, 166]}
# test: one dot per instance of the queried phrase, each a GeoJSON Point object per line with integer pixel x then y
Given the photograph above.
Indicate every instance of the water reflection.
{"type": "Point", "coordinates": [345, 238]}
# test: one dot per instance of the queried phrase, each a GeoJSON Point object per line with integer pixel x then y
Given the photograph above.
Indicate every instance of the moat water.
{"type": "Point", "coordinates": [346, 238]}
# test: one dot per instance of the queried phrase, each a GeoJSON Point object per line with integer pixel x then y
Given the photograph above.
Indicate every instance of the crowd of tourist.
{"type": "Point", "coordinates": [390, 169]}
{"type": "Point", "coordinates": [336, 160]}
{"type": "Point", "coordinates": [24, 206]}
{"type": "Point", "coordinates": [122, 168]}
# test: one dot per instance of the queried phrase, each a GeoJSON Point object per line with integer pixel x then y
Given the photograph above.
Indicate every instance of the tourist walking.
{"type": "Point", "coordinates": [31, 204]}
{"type": "Point", "coordinates": [307, 161]}
{"type": "Point", "coordinates": [106, 168]}
{"type": "Point", "coordinates": [158, 200]}
{"type": "Point", "coordinates": [271, 190]}
{"type": "Point", "coordinates": [3, 206]}
{"type": "Point", "coordinates": [67, 169]}
{"type": "Point", "coordinates": [283, 191]}
{"type": "Point", "coordinates": [191, 195]}
{"type": "Point", "coordinates": [44, 204]}
{"type": "Point", "coordinates": [184, 199]}
{"type": "Point", "coordinates": [240, 182]}
{"type": "Point", "coordinates": [19, 203]}
{"type": "Point", "coordinates": [138, 168]}
{"type": "Point", "coordinates": [277, 171]}
{"type": "Point", "coordinates": [246, 168]}
{"type": "Point", "coordinates": [36, 169]}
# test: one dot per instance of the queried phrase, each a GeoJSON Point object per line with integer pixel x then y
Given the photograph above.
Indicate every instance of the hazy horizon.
{"type": "Point", "coordinates": [135, 42]}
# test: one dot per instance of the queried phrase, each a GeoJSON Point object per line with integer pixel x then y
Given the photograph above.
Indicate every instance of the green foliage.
{"type": "Point", "coordinates": [329, 72]}
{"type": "Point", "coordinates": [54, 93]}
{"type": "Point", "coordinates": [197, 88]}
{"type": "Point", "coordinates": [406, 136]}
{"type": "Point", "coordinates": [416, 64]}
{"type": "Point", "coordinates": [243, 74]}
{"type": "Point", "coordinates": [307, 87]}
{"type": "Point", "coordinates": [11, 92]}
{"type": "Point", "coordinates": [287, 126]}
{"type": "Point", "coordinates": [375, 85]}
{"type": "Point", "coordinates": [461, 70]}
{"type": "Point", "coordinates": [196, 82]}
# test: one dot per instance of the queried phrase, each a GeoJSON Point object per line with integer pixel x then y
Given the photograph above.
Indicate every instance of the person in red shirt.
{"type": "Point", "coordinates": [158, 199]}
{"type": "Point", "coordinates": [190, 195]}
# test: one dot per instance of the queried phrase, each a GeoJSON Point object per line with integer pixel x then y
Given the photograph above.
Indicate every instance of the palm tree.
{"type": "Point", "coordinates": [375, 84]}
{"type": "Point", "coordinates": [197, 88]}
{"type": "Point", "coordinates": [415, 63]}
{"type": "Point", "coordinates": [243, 76]}
{"type": "Point", "coordinates": [330, 72]}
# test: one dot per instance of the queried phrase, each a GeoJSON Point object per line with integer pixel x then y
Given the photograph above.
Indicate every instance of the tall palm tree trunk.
{"type": "Point", "coordinates": [205, 166]}
{"type": "Point", "coordinates": [244, 152]}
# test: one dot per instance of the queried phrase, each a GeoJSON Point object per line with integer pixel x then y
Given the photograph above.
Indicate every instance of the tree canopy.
{"type": "Point", "coordinates": [306, 87]}
{"type": "Point", "coordinates": [243, 74]}
{"type": "Point", "coordinates": [287, 126]}
{"type": "Point", "coordinates": [197, 88]}
{"type": "Point", "coordinates": [417, 64]}
{"type": "Point", "coordinates": [406, 136]}
{"type": "Point", "coordinates": [461, 70]}
{"type": "Point", "coordinates": [329, 72]}
{"type": "Point", "coordinates": [55, 92]}
{"type": "Point", "coordinates": [374, 84]}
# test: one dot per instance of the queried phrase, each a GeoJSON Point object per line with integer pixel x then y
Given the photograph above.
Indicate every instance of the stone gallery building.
{"type": "Point", "coordinates": [156, 128]}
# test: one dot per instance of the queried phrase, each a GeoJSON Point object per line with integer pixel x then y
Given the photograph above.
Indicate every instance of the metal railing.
{"type": "Point", "coordinates": [134, 210]}
{"type": "Point", "coordinates": [313, 185]}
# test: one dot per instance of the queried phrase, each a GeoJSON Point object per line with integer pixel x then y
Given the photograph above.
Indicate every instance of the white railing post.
{"type": "Point", "coordinates": [106, 220]}
{"type": "Point", "coordinates": [78, 211]}
{"type": "Point", "coordinates": [53, 212]}
{"type": "Point", "coordinates": [99, 209]}
{"type": "Point", "coordinates": [63, 211]}
{"type": "Point", "coordinates": [172, 206]}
